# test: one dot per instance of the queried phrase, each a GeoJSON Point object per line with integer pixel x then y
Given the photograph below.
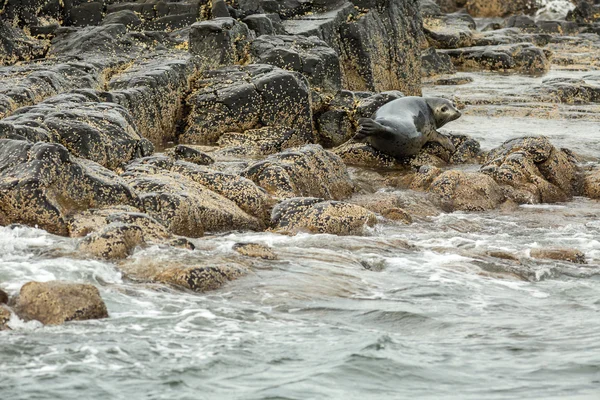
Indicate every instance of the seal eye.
{"type": "Point", "coordinates": [444, 109]}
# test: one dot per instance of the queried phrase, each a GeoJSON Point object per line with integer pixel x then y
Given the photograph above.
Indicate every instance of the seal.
{"type": "Point", "coordinates": [401, 127]}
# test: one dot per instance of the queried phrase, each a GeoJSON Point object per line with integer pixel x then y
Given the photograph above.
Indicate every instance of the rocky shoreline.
{"type": "Point", "coordinates": [128, 124]}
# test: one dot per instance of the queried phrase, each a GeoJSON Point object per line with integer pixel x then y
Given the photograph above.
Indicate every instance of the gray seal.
{"type": "Point", "coordinates": [401, 127]}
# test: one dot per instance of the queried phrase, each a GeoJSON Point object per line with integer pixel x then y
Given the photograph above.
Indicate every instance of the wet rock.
{"type": "Point", "coordinates": [310, 56]}
{"type": "Point", "coordinates": [32, 83]}
{"type": "Point", "coordinates": [265, 24]}
{"type": "Point", "coordinates": [532, 170]}
{"type": "Point", "coordinates": [424, 177]}
{"type": "Point", "coordinates": [429, 8]}
{"type": "Point", "coordinates": [499, 8]}
{"type": "Point", "coordinates": [96, 220]}
{"type": "Point", "coordinates": [101, 132]}
{"type": "Point", "coordinates": [115, 241]}
{"type": "Point", "coordinates": [257, 142]}
{"type": "Point", "coordinates": [249, 197]}
{"type": "Point", "coordinates": [568, 90]}
{"type": "Point", "coordinates": [4, 317]}
{"type": "Point", "coordinates": [503, 255]}
{"type": "Point", "coordinates": [385, 203]}
{"type": "Point", "coordinates": [378, 42]}
{"type": "Point", "coordinates": [191, 154]}
{"type": "Point", "coordinates": [525, 58]}
{"type": "Point", "coordinates": [236, 99]}
{"type": "Point", "coordinates": [305, 171]}
{"type": "Point", "coordinates": [559, 254]}
{"type": "Point", "coordinates": [309, 214]}
{"type": "Point", "coordinates": [585, 12]}
{"type": "Point", "coordinates": [181, 204]}
{"type": "Point", "coordinates": [434, 63]}
{"type": "Point", "coordinates": [466, 191]}
{"type": "Point", "coordinates": [42, 184]}
{"type": "Point", "coordinates": [153, 91]}
{"type": "Point", "coordinates": [108, 41]}
{"type": "Point", "coordinates": [57, 302]}
{"type": "Point", "coordinates": [362, 154]}
{"type": "Point", "coordinates": [3, 297]}
{"type": "Point", "coordinates": [198, 276]}
{"type": "Point", "coordinates": [256, 250]}
{"type": "Point", "coordinates": [219, 42]}
{"type": "Point", "coordinates": [592, 184]}
{"type": "Point", "coordinates": [125, 17]}
{"type": "Point", "coordinates": [15, 45]}
{"type": "Point", "coordinates": [449, 31]}
{"type": "Point", "coordinates": [86, 14]}
{"type": "Point", "coordinates": [456, 80]}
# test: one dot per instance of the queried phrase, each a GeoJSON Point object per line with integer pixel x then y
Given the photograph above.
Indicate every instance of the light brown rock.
{"type": "Point", "coordinates": [57, 302]}
{"type": "Point", "coordinates": [466, 191]}
{"type": "Point", "coordinates": [559, 254]}
{"type": "Point", "coordinates": [255, 250]}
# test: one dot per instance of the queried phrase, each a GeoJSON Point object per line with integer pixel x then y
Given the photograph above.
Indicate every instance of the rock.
{"type": "Point", "coordinates": [449, 31]}
{"type": "Point", "coordinates": [316, 215]}
{"type": "Point", "coordinates": [429, 8]}
{"type": "Point", "coordinates": [153, 90]}
{"type": "Point", "coordinates": [116, 241]}
{"type": "Point", "coordinates": [86, 14]}
{"type": "Point", "coordinates": [559, 254]}
{"type": "Point", "coordinates": [362, 154]}
{"type": "Point", "coordinates": [101, 132]}
{"type": "Point", "coordinates": [97, 220]}
{"type": "Point", "coordinates": [198, 276]}
{"type": "Point", "coordinates": [524, 57]}
{"type": "Point", "coordinates": [384, 203]}
{"type": "Point", "coordinates": [378, 42]}
{"type": "Point", "coordinates": [3, 297]}
{"type": "Point", "coordinates": [532, 170]}
{"type": "Point", "coordinates": [256, 250]}
{"type": "Point", "coordinates": [466, 191]}
{"type": "Point", "coordinates": [219, 42]}
{"type": "Point", "coordinates": [57, 302]}
{"type": "Point", "coordinates": [310, 56]}
{"type": "Point", "coordinates": [592, 184]}
{"type": "Point", "coordinates": [257, 142]}
{"type": "Point", "coordinates": [264, 24]}
{"type": "Point", "coordinates": [584, 13]}
{"type": "Point", "coordinates": [190, 154]}
{"type": "Point", "coordinates": [305, 171]}
{"type": "Point", "coordinates": [100, 42]}
{"type": "Point", "coordinates": [43, 185]}
{"type": "Point", "coordinates": [125, 17]}
{"type": "Point", "coordinates": [499, 8]}
{"type": "Point", "coordinates": [16, 46]}
{"type": "Point", "coordinates": [434, 63]}
{"type": "Point", "coordinates": [249, 197]}
{"type": "Point", "coordinates": [181, 204]}
{"type": "Point", "coordinates": [236, 99]}
{"type": "Point", "coordinates": [568, 90]}
{"type": "Point", "coordinates": [32, 83]}
{"type": "Point", "coordinates": [4, 317]}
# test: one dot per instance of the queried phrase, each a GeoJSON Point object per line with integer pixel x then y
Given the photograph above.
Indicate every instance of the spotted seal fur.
{"type": "Point", "coordinates": [401, 127]}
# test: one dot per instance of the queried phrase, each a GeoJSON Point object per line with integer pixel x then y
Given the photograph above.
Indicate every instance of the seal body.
{"type": "Point", "coordinates": [401, 127]}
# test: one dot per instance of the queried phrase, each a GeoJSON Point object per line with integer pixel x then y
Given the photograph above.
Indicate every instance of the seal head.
{"type": "Point", "coordinates": [443, 110]}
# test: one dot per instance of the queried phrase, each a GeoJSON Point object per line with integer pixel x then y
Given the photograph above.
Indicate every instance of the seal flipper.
{"type": "Point", "coordinates": [369, 127]}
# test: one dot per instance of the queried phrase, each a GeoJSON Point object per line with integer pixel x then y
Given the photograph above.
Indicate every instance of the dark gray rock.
{"type": "Point", "coordinates": [125, 17]}
{"type": "Point", "coordinates": [434, 63]}
{"type": "Point", "coordinates": [310, 56]}
{"type": "Point", "coordinates": [219, 42]}
{"type": "Point", "coordinates": [101, 132]}
{"type": "Point", "coordinates": [236, 99]}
